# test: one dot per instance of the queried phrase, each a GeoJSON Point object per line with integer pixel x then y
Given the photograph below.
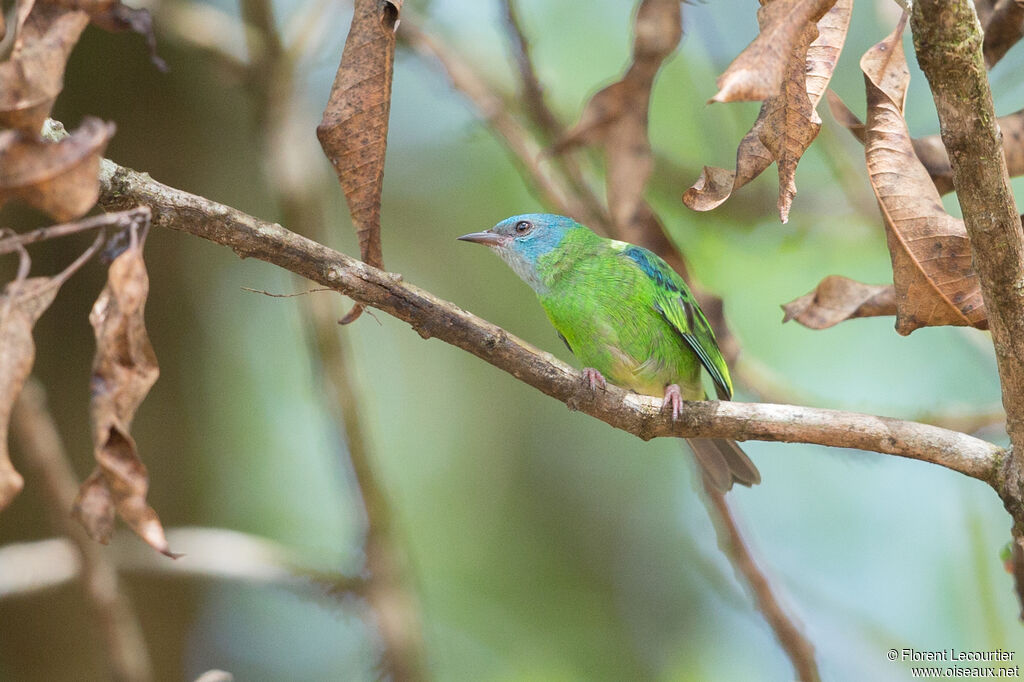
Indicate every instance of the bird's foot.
{"type": "Point", "coordinates": [593, 378]}
{"type": "Point", "coordinates": [674, 398]}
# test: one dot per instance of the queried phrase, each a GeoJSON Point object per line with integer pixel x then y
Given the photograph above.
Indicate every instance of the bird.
{"type": "Point", "coordinates": [627, 317]}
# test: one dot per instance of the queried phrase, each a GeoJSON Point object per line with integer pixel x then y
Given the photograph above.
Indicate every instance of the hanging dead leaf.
{"type": "Point", "coordinates": [758, 72]}
{"type": "Point", "coordinates": [932, 152]}
{"type": "Point", "coordinates": [22, 302]}
{"type": "Point", "coordinates": [615, 118]}
{"type": "Point", "coordinates": [931, 253]}
{"type": "Point", "coordinates": [836, 299]}
{"type": "Point", "coordinates": [113, 16]}
{"type": "Point", "coordinates": [354, 130]}
{"type": "Point", "coordinates": [60, 178]}
{"type": "Point", "coordinates": [787, 122]}
{"type": "Point", "coordinates": [123, 371]}
{"type": "Point", "coordinates": [33, 75]}
{"type": "Point", "coordinates": [790, 122]}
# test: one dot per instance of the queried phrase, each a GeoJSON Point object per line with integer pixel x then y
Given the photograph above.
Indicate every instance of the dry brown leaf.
{"type": "Point", "coordinates": [616, 116]}
{"type": "Point", "coordinates": [758, 72]}
{"type": "Point", "coordinates": [123, 371]}
{"type": "Point", "coordinates": [113, 16]}
{"type": "Point", "coordinates": [790, 121]}
{"type": "Point", "coordinates": [60, 178]}
{"type": "Point", "coordinates": [836, 299]}
{"type": "Point", "coordinates": [354, 130]}
{"type": "Point", "coordinates": [787, 122]}
{"type": "Point", "coordinates": [33, 76]}
{"type": "Point", "coordinates": [931, 253]}
{"type": "Point", "coordinates": [22, 302]}
{"type": "Point", "coordinates": [932, 152]}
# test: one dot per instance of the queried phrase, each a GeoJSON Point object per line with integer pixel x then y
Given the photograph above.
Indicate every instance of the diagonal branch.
{"type": "Point", "coordinates": [797, 647]}
{"type": "Point", "coordinates": [430, 316]}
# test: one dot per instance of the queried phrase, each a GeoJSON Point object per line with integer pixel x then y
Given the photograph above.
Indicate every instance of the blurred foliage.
{"type": "Point", "coordinates": [544, 545]}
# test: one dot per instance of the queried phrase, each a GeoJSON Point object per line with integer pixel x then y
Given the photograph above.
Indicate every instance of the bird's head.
{"type": "Point", "coordinates": [523, 240]}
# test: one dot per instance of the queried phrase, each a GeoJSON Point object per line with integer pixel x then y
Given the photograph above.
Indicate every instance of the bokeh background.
{"type": "Point", "coordinates": [543, 545]}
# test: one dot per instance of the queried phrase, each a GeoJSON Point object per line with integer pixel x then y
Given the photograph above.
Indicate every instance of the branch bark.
{"type": "Point", "coordinates": [948, 41]}
{"type": "Point", "coordinates": [430, 316]}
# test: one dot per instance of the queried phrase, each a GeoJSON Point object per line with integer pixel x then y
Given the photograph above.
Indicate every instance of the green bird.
{"type": "Point", "coordinates": [627, 316]}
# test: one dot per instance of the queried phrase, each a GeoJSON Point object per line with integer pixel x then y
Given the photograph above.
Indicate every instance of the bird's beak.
{"type": "Point", "coordinates": [487, 238]}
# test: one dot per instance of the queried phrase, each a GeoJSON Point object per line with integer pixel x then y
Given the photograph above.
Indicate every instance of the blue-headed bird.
{"type": "Point", "coordinates": [627, 317]}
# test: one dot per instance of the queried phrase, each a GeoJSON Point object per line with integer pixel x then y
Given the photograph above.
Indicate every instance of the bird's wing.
{"type": "Point", "coordinates": [675, 303]}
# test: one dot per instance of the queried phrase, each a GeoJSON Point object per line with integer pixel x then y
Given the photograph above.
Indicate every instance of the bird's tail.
{"type": "Point", "coordinates": [724, 463]}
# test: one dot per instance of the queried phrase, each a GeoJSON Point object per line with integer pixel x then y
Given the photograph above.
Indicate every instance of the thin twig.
{"type": "Point", "coordinates": [298, 293]}
{"type": "Point", "coordinates": [533, 92]}
{"type": "Point", "coordinates": [797, 647]}
{"type": "Point", "coordinates": [120, 220]}
{"type": "Point", "coordinates": [551, 129]}
{"type": "Point", "coordinates": [42, 448]}
{"type": "Point", "coordinates": [494, 111]}
{"type": "Point", "coordinates": [430, 316]}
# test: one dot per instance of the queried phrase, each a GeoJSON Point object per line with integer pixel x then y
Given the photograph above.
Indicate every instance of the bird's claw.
{"type": "Point", "coordinates": [674, 398]}
{"type": "Point", "coordinates": [593, 378]}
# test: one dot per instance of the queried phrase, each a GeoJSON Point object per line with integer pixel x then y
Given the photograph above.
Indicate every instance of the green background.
{"type": "Point", "coordinates": [543, 544]}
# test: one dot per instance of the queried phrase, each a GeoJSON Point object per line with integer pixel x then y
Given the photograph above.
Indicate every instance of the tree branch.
{"type": "Point", "coordinates": [430, 316]}
{"type": "Point", "coordinates": [797, 647]}
{"type": "Point", "coordinates": [948, 40]}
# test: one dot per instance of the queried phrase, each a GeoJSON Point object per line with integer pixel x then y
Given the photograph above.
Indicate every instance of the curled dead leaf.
{"type": "Point", "coordinates": [758, 72]}
{"type": "Point", "coordinates": [931, 254]}
{"type": "Point", "coordinates": [932, 152]}
{"type": "Point", "coordinates": [60, 178]}
{"type": "Point", "coordinates": [788, 121]}
{"type": "Point", "coordinates": [22, 302]}
{"type": "Point", "coordinates": [836, 299]}
{"type": "Point", "coordinates": [354, 130]}
{"type": "Point", "coordinates": [124, 369]}
{"type": "Point", "coordinates": [33, 75]}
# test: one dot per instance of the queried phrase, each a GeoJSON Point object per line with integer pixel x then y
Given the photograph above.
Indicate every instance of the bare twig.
{"type": "Point", "coordinates": [431, 316]}
{"type": "Point", "coordinates": [120, 220]}
{"type": "Point", "coordinates": [550, 128]}
{"type": "Point", "coordinates": [42, 448]}
{"type": "Point", "coordinates": [494, 111]}
{"type": "Point", "coordinates": [210, 554]}
{"type": "Point", "coordinates": [533, 92]}
{"type": "Point", "coordinates": [948, 41]}
{"type": "Point", "coordinates": [797, 647]}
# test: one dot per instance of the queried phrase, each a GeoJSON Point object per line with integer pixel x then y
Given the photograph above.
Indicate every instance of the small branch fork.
{"type": "Point", "coordinates": [430, 316]}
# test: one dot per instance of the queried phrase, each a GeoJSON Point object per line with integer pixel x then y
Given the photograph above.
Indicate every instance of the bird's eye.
{"type": "Point", "coordinates": [524, 226]}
